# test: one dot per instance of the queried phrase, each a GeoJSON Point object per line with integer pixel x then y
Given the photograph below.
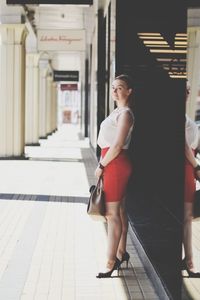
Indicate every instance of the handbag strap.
{"type": "Point", "coordinates": [100, 183]}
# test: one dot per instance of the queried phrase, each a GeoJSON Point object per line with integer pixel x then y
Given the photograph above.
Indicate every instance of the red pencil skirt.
{"type": "Point", "coordinates": [115, 176]}
{"type": "Point", "coordinates": [190, 182]}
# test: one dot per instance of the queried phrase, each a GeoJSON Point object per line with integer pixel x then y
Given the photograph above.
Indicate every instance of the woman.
{"type": "Point", "coordinates": [115, 167]}
{"type": "Point", "coordinates": [192, 171]}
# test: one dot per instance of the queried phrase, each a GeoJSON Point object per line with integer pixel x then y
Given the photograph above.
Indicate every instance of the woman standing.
{"type": "Point", "coordinates": [115, 167]}
{"type": "Point", "coordinates": [192, 171]}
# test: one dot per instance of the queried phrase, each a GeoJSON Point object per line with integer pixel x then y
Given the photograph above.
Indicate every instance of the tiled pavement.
{"type": "Point", "coordinates": [192, 285]}
{"type": "Point", "coordinates": [49, 247]}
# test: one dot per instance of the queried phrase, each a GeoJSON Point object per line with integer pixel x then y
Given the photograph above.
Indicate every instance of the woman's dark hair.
{"type": "Point", "coordinates": [129, 82]}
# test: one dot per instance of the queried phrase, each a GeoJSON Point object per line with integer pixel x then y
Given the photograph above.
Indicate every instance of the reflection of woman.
{"type": "Point", "coordinates": [192, 170]}
{"type": "Point", "coordinates": [115, 167]}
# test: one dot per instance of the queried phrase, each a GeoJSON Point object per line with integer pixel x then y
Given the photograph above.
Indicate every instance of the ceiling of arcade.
{"type": "Point", "coordinates": [70, 17]}
{"type": "Point", "coordinates": [52, 18]}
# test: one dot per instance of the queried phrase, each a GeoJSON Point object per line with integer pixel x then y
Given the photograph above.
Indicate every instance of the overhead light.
{"type": "Point", "coordinates": [143, 37]}
{"type": "Point", "coordinates": [149, 33]}
{"type": "Point", "coordinates": [178, 76]}
{"type": "Point", "coordinates": [179, 46]}
{"type": "Point", "coordinates": [157, 46]}
{"type": "Point", "coordinates": [169, 59]}
{"type": "Point", "coordinates": [181, 34]}
{"type": "Point", "coordinates": [164, 59]}
{"type": "Point", "coordinates": [167, 51]}
{"type": "Point", "coordinates": [155, 42]}
{"type": "Point", "coordinates": [181, 38]}
{"type": "Point", "coordinates": [180, 43]}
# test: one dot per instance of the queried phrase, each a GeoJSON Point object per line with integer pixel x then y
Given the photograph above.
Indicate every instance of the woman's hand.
{"type": "Point", "coordinates": [98, 172]}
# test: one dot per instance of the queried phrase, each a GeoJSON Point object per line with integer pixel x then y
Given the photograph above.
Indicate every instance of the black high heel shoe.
{"type": "Point", "coordinates": [125, 257]}
{"type": "Point", "coordinates": [190, 273]}
{"type": "Point", "coordinates": [109, 273]}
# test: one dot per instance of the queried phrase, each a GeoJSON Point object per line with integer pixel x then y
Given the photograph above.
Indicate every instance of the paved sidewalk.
{"type": "Point", "coordinates": [192, 285]}
{"type": "Point", "coordinates": [49, 247]}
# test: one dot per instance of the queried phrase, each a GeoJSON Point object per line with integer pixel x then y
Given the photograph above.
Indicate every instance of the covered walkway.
{"type": "Point", "coordinates": [49, 247]}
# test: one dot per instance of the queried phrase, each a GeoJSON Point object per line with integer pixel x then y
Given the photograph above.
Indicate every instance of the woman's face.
{"type": "Point", "coordinates": [120, 90]}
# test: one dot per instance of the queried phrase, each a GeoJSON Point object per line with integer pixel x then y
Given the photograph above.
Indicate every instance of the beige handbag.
{"type": "Point", "coordinates": [96, 205]}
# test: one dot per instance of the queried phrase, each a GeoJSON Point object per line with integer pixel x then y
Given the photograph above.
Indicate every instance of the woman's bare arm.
{"type": "Point", "coordinates": [125, 121]}
{"type": "Point", "coordinates": [190, 156]}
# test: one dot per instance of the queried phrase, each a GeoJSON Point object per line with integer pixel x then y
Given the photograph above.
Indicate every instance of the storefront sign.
{"type": "Point", "coordinates": [66, 76]}
{"type": "Point", "coordinates": [61, 40]}
{"type": "Point", "coordinates": [69, 87]}
{"type": "Point", "coordinates": [82, 2]}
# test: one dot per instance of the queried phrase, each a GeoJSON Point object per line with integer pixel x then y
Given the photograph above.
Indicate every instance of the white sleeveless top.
{"type": "Point", "coordinates": [191, 133]}
{"type": "Point", "coordinates": [108, 129]}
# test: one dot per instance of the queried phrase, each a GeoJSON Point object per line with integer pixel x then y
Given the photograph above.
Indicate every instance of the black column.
{"type": "Point", "coordinates": [100, 72]}
{"type": "Point", "coordinates": [86, 110]}
{"type": "Point", "coordinates": [155, 202]}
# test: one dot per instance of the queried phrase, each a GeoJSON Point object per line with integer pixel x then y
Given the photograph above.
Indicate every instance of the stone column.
{"type": "Point", "coordinates": [54, 106]}
{"type": "Point", "coordinates": [193, 68]}
{"type": "Point", "coordinates": [49, 104]}
{"type": "Point", "coordinates": [32, 99]}
{"type": "Point", "coordinates": [43, 70]}
{"type": "Point", "coordinates": [12, 89]}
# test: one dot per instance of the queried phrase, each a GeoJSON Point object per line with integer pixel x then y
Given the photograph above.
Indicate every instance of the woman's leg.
{"type": "Point", "coordinates": [124, 221]}
{"type": "Point", "coordinates": [114, 231]}
{"type": "Point", "coordinates": [187, 234]}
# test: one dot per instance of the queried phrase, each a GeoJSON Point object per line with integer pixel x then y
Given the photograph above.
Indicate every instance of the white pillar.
{"type": "Point", "coordinates": [32, 99]}
{"type": "Point", "coordinates": [54, 106]}
{"type": "Point", "coordinates": [60, 106]}
{"type": "Point", "coordinates": [193, 68]}
{"type": "Point", "coordinates": [49, 104]}
{"type": "Point", "coordinates": [43, 70]}
{"type": "Point", "coordinates": [12, 78]}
